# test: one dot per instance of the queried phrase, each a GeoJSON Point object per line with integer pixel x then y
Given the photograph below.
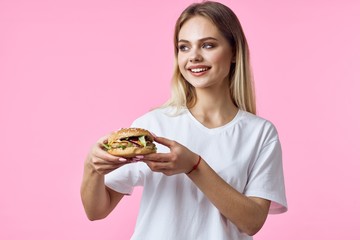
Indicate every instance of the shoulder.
{"type": "Point", "coordinates": [256, 120]}
{"type": "Point", "coordinates": [156, 113]}
{"type": "Point", "coordinates": [259, 125]}
{"type": "Point", "coordinates": [158, 116]}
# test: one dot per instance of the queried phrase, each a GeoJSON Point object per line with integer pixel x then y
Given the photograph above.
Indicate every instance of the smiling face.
{"type": "Point", "coordinates": [204, 55]}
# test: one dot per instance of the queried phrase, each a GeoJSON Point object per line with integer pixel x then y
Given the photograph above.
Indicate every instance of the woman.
{"type": "Point", "coordinates": [218, 170]}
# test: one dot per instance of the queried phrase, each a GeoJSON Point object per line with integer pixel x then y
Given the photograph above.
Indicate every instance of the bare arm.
{"type": "Point", "coordinates": [247, 213]}
{"type": "Point", "coordinates": [97, 199]}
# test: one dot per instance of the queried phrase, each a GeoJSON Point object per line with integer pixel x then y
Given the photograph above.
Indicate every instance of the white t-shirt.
{"type": "Point", "coordinates": [245, 152]}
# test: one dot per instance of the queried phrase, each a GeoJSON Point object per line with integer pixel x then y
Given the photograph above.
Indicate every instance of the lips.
{"type": "Point", "coordinates": [198, 69]}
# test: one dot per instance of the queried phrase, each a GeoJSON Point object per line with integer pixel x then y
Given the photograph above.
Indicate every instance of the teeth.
{"type": "Point", "coordinates": [197, 70]}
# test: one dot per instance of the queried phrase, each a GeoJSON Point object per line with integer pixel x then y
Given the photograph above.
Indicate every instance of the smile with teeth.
{"type": "Point", "coordinates": [197, 70]}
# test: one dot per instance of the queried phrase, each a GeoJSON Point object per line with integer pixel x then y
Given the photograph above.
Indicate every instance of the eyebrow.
{"type": "Point", "coordinates": [200, 40]}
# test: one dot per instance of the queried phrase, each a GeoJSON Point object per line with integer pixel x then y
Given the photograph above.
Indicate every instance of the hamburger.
{"type": "Point", "coordinates": [129, 142]}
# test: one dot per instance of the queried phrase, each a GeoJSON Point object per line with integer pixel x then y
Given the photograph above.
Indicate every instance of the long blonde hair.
{"type": "Point", "coordinates": [241, 83]}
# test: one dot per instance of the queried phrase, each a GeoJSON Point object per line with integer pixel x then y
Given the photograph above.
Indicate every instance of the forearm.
{"type": "Point", "coordinates": [94, 194]}
{"type": "Point", "coordinates": [244, 212]}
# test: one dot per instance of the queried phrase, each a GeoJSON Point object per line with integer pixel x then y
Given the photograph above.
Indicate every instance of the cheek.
{"type": "Point", "coordinates": [216, 57]}
{"type": "Point", "coordinates": [220, 58]}
{"type": "Point", "coordinates": [181, 63]}
{"type": "Point", "coordinates": [223, 63]}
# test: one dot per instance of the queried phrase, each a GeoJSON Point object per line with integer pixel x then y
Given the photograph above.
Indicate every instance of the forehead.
{"type": "Point", "coordinates": [198, 27]}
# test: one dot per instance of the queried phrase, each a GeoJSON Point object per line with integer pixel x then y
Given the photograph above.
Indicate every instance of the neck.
{"type": "Point", "coordinates": [214, 108]}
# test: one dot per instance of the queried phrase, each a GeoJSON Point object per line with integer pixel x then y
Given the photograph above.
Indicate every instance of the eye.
{"type": "Point", "coordinates": [208, 45]}
{"type": "Point", "coordinates": [183, 48]}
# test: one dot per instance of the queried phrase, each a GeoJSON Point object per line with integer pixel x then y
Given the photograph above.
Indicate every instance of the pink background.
{"type": "Point", "coordinates": [68, 73]}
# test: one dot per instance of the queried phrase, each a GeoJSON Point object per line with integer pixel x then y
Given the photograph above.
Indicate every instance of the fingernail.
{"type": "Point", "coordinates": [140, 156]}
{"type": "Point", "coordinates": [122, 159]}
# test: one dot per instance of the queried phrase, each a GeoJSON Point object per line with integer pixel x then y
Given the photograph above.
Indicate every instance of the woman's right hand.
{"type": "Point", "coordinates": [99, 201]}
{"type": "Point", "coordinates": [101, 161]}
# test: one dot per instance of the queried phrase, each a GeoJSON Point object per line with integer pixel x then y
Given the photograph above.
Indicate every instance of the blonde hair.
{"type": "Point", "coordinates": [240, 76]}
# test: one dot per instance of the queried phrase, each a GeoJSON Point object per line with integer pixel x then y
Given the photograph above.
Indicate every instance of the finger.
{"type": "Point", "coordinates": [164, 141]}
{"type": "Point", "coordinates": [99, 152]}
{"type": "Point", "coordinates": [157, 157]}
{"type": "Point", "coordinates": [101, 161]}
{"type": "Point", "coordinates": [132, 160]}
{"type": "Point", "coordinates": [108, 157]}
{"type": "Point", "coordinates": [158, 166]}
{"type": "Point", "coordinates": [102, 139]}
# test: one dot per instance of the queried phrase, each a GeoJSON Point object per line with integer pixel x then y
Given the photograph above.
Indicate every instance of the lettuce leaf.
{"type": "Point", "coordinates": [142, 140]}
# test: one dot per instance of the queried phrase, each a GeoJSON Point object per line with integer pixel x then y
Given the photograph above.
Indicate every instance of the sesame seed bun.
{"type": "Point", "coordinates": [126, 142]}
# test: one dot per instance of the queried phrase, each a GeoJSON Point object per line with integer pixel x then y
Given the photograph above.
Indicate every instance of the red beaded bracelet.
{"type": "Point", "coordinates": [196, 165]}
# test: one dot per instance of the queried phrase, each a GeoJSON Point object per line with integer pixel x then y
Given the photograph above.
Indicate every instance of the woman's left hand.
{"type": "Point", "coordinates": [179, 160]}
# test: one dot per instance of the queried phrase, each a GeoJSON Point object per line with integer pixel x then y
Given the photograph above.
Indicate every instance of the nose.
{"type": "Point", "coordinates": [195, 57]}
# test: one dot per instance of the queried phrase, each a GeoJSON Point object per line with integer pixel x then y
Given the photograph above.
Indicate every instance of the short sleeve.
{"type": "Point", "coordinates": [266, 177]}
{"type": "Point", "coordinates": [125, 178]}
